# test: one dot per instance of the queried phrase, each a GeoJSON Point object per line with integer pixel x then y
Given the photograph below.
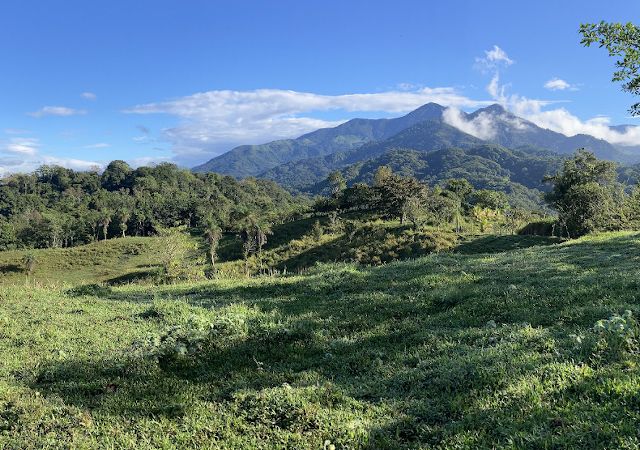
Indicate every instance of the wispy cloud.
{"type": "Point", "coordinates": [98, 145]}
{"type": "Point", "coordinates": [61, 111]}
{"type": "Point", "coordinates": [20, 154]}
{"type": "Point", "coordinates": [482, 126]}
{"type": "Point", "coordinates": [535, 110]}
{"type": "Point", "coordinates": [493, 59]}
{"type": "Point", "coordinates": [89, 96]}
{"type": "Point", "coordinates": [21, 146]}
{"type": "Point", "coordinates": [558, 84]}
{"type": "Point", "coordinates": [558, 119]}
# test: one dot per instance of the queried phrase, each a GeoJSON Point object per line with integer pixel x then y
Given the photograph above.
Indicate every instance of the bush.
{"type": "Point", "coordinates": [610, 339]}
{"type": "Point", "coordinates": [190, 338]}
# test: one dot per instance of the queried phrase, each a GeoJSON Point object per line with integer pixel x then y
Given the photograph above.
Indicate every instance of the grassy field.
{"type": "Point", "coordinates": [114, 261]}
{"type": "Point", "coordinates": [490, 346]}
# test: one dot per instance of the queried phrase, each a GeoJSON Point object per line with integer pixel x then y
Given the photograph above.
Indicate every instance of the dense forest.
{"type": "Point", "coordinates": [58, 207]}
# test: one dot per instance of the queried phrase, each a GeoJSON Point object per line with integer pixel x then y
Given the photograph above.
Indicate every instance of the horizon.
{"type": "Point", "coordinates": [79, 94]}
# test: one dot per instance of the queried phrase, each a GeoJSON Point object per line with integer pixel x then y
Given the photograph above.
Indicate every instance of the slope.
{"type": "Point", "coordinates": [426, 136]}
{"type": "Point", "coordinates": [249, 160]}
{"type": "Point", "coordinates": [475, 350]}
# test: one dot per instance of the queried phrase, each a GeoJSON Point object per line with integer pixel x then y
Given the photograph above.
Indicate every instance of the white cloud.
{"type": "Point", "coordinates": [148, 161]}
{"type": "Point", "coordinates": [98, 145]}
{"type": "Point", "coordinates": [557, 84]}
{"type": "Point", "coordinates": [215, 121]}
{"type": "Point", "coordinates": [482, 126]}
{"type": "Point", "coordinates": [560, 119]}
{"type": "Point", "coordinates": [61, 111]}
{"type": "Point", "coordinates": [89, 96]}
{"type": "Point", "coordinates": [21, 146]}
{"type": "Point", "coordinates": [493, 59]}
{"type": "Point", "coordinates": [20, 154]}
{"type": "Point", "coordinates": [69, 163]}
{"type": "Point", "coordinates": [9, 165]}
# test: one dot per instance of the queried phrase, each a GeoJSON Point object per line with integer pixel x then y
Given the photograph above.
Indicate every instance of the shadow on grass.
{"type": "Point", "coordinates": [403, 350]}
{"type": "Point", "coordinates": [497, 244]}
{"type": "Point", "coordinates": [11, 268]}
{"type": "Point", "coordinates": [133, 277]}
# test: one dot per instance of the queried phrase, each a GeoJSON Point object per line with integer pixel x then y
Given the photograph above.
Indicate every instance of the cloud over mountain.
{"type": "Point", "coordinates": [213, 121]}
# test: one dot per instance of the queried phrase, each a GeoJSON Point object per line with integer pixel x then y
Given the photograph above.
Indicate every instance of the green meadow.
{"type": "Point", "coordinates": [496, 344]}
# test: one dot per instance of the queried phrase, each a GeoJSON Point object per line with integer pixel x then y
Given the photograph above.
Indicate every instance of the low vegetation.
{"type": "Point", "coordinates": [507, 343]}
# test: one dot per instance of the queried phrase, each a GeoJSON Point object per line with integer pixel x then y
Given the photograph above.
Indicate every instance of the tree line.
{"type": "Point", "coordinates": [59, 207]}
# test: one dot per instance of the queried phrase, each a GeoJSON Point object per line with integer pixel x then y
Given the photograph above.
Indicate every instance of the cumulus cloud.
{"type": "Point", "coordinates": [89, 96]}
{"type": "Point", "coordinates": [558, 84]}
{"type": "Point", "coordinates": [481, 126]}
{"type": "Point", "coordinates": [560, 119]}
{"type": "Point", "coordinates": [214, 121]}
{"type": "Point", "coordinates": [60, 111]}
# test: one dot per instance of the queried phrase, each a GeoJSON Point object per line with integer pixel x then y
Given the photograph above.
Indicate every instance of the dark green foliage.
{"type": "Point", "coordinates": [57, 207]}
{"type": "Point", "coordinates": [623, 42]}
{"type": "Point", "coordinates": [586, 195]}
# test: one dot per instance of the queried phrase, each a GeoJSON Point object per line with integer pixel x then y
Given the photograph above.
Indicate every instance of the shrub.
{"type": "Point", "coordinates": [609, 339]}
{"type": "Point", "coordinates": [188, 338]}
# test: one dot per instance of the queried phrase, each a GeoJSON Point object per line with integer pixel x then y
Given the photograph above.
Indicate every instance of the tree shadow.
{"type": "Point", "coordinates": [133, 277]}
{"type": "Point", "coordinates": [11, 268]}
{"type": "Point", "coordinates": [497, 244]}
{"type": "Point", "coordinates": [416, 366]}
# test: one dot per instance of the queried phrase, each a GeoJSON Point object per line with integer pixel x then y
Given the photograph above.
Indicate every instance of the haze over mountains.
{"type": "Point", "coordinates": [474, 145]}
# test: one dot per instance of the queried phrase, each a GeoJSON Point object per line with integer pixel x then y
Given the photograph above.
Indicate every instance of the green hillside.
{"type": "Point", "coordinates": [426, 136]}
{"type": "Point", "coordinates": [490, 347]}
{"type": "Point", "coordinates": [249, 160]}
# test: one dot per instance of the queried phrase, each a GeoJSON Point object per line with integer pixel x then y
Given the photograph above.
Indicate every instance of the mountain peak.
{"type": "Point", "coordinates": [496, 108]}
{"type": "Point", "coordinates": [427, 111]}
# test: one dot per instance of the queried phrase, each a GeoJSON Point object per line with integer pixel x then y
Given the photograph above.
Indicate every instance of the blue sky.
{"type": "Point", "coordinates": [146, 81]}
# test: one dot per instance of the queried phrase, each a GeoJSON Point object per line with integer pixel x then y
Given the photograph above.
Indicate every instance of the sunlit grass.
{"type": "Point", "coordinates": [474, 349]}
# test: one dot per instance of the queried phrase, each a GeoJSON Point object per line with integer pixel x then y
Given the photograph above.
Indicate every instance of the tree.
{"type": "Point", "coordinates": [393, 193]}
{"type": "Point", "coordinates": [460, 187]}
{"type": "Point", "coordinates": [254, 238]}
{"type": "Point", "coordinates": [484, 216]}
{"type": "Point", "coordinates": [116, 176]}
{"type": "Point", "coordinates": [29, 262]}
{"type": "Point", "coordinates": [359, 196]}
{"type": "Point", "coordinates": [381, 175]}
{"type": "Point", "coordinates": [585, 194]}
{"type": "Point", "coordinates": [175, 246]}
{"type": "Point", "coordinates": [486, 198]}
{"type": "Point", "coordinates": [317, 231]}
{"type": "Point", "coordinates": [337, 183]}
{"type": "Point", "coordinates": [213, 234]}
{"type": "Point", "coordinates": [623, 42]}
{"type": "Point", "coordinates": [414, 211]}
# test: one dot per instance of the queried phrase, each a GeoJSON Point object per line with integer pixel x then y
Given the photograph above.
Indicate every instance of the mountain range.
{"type": "Point", "coordinates": [491, 147]}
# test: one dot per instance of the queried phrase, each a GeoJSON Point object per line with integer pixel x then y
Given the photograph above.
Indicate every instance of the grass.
{"type": "Point", "coordinates": [113, 261]}
{"type": "Point", "coordinates": [475, 349]}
